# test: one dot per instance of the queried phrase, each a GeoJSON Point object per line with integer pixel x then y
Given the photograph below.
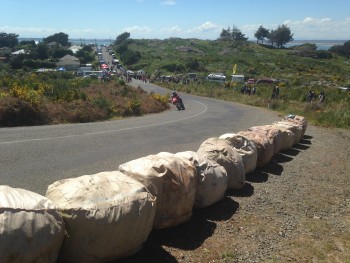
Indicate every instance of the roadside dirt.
{"type": "Point", "coordinates": [296, 209]}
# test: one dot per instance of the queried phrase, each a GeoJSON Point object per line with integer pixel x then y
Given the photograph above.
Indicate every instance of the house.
{"type": "Point", "coordinates": [75, 48]}
{"type": "Point", "coordinates": [20, 52]}
{"type": "Point", "coordinates": [69, 62]}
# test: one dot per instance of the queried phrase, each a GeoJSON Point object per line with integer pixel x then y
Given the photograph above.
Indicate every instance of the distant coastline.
{"type": "Point", "coordinates": [321, 44]}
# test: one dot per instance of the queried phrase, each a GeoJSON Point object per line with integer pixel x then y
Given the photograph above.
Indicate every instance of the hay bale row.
{"type": "Point", "coordinates": [109, 215]}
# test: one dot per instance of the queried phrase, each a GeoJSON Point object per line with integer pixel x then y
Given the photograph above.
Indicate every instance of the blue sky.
{"type": "Point", "coordinates": [204, 19]}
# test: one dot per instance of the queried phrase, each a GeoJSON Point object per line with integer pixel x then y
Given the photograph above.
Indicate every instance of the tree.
{"type": "Point", "coordinates": [261, 34]}
{"type": "Point", "coordinates": [225, 34]}
{"type": "Point", "coordinates": [8, 40]}
{"type": "Point", "coordinates": [237, 34]}
{"type": "Point", "coordinates": [343, 50]}
{"type": "Point", "coordinates": [232, 34]}
{"type": "Point", "coordinates": [85, 56]}
{"type": "Point", "coordinates": [121, 38]}
{"type": "Point", "coordinates": [130, 57]}
{"type": "Point", "coordinates": [60, 52]}
{"type": "Point", "coordinates": [42, 51]}
{"type": "Point", "coordinates": [281, 36]}
{"type": "Point", "coordinates": [193, 64]}
{"type": "Point", "coordinates": [61, 38]}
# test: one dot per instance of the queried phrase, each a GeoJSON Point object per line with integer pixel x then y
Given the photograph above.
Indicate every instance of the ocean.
{"type": "Point", "coordinates": [76, 41]}
{"type": "Point", "coordinates": [321, 44]}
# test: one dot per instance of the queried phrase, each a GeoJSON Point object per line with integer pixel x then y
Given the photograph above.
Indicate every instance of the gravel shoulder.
{"type": "Point", "coordinates": [296, 209]}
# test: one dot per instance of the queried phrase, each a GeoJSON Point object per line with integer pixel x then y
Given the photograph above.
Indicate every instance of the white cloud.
{"type": "Point", "coordinates": [319, 28]}
{"type": "Point", "coordinates": [137, 29]}
{"type": "Point", "coordinates": [168, 2]}
{"type": "Point", "coordinates": [170, 30]}
{"type": "Point", "coordinates": [207, 26]}
{"type": "Point", "coordinates": [308, 28]}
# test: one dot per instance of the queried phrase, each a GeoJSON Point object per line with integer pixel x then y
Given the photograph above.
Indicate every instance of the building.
{"type": "Point", "coordinates": [69, 62]}
{"type": "Point", "coordinates": [75, 48]}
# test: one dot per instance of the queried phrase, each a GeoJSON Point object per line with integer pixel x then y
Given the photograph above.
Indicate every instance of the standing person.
{"type": "Point", "coordinates": [277, 92]}
{"type": "Point", "coordinates": [253, 90]}
{"type": "Point", "coordinates": [321, 97]}
{"type": "Point", "coordinates": [273, 96]}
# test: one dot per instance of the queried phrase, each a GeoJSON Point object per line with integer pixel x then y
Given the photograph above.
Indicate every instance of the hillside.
{"type": "Point", "coordinates": [298, 71]}
{"type": "Point", "coordinates": [180, 56]}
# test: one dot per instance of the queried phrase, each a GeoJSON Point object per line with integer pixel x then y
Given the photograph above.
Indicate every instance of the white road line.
{"type": "Point", "coordinates": [110, 131]}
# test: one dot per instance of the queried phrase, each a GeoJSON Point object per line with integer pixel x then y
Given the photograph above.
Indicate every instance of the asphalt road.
{"type": "Point", "coordinates": [34, 157]}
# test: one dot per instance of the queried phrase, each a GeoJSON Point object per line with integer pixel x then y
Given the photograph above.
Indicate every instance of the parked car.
{"type": "Point", "coordinates": [251, 81]}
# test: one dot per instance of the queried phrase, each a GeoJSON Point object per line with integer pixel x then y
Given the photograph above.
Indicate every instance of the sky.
{"type": "Point", "coordinates": [161, 19]}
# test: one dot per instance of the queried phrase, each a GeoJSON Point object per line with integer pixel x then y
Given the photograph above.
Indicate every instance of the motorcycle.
{"type": "Point", "coordinates": [177, 101]}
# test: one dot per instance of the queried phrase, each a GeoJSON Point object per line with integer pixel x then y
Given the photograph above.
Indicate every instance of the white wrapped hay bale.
{"type": "Point", "coordinates": [273, 133]}
{"type": "Point", "coordinates": [295, 128]}
{"type": "Point", "coordinates": [211, 179]}
{"type": "Point", "coordinates": [221, 152]}
{"type": "Point", "coordinates": [108, 216]}
{"type": "Point", "coordinates": [245, 147]}
{"type": "Point", "coordinates": [171, 180]}
{"type": "Point", "coordinates": [264, 145]}
{"type": "Point", "coordinates": [299, 120]}
{"type": "Point", "coordinates": [31, 228]}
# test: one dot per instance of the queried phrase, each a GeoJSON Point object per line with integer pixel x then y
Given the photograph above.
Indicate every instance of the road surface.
{"type": "Point", "coordinates": [34, 157]}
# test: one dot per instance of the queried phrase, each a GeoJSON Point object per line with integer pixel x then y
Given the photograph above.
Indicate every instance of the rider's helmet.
{"type": "Point", "coordinates": [173, 93]}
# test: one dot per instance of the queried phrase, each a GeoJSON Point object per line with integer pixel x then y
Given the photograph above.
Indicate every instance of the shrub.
{"type": "Point", "coordinates": [133, 107]}
{"type": "Point", "coordinates": [17, 112]}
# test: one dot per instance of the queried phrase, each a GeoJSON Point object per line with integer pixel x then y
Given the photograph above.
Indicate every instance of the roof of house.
{"type": "Point", "coordinates": [63, 63]}
{"type": "Point", "coordinates": [76, 47]}
{"type": "Point", "coordinates": [21, 51]}
{"type": "Point", "coordinates": [69, 57]}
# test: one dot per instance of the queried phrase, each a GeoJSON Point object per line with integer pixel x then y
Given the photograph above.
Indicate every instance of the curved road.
{"type": "Point", "coordinates": [34, 157]}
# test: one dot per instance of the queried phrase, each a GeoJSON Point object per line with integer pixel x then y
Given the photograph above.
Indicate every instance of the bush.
{"type": "Point", "coordinates": [17, 112]}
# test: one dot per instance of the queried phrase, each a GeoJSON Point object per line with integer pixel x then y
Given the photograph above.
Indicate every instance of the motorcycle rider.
{"type": "Point", "coordinates": [176, 100]}
{"type": "Point", "coordinates": [174, 94]}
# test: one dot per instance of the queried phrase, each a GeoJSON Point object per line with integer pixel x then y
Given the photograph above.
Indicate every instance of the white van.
{"type": "Point", "coordinates": [237, 78]}
{"type": "Point", "coordinates": [216, 77]}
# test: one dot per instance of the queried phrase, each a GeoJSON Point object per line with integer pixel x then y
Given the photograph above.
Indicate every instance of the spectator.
{"type": "Point", "coordinates": [321, 97]}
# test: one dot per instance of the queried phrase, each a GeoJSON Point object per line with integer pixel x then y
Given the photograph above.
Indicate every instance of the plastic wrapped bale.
{"type": "Point", "coordinates": [264, 145]}
{"type": "Point", "coordinates": [108, 216]}
{"type": "Point", "coordinates": [245, 147]}
{"type": "Point", "coordinates": [298, 120]}
{"type": "Point", "coordinates": [169, 178]}
{"type": "Point", "coordinates": [272, 132]}
{"type": "Point", "coordinates": [295, 128]}
{"type": "Point", "coordinates": [288, 137]}
{"type": "Point", "coordinates": [211, 179]}
{"type": "Point", "coordinates": [31, 228]}
{"type": "Point", "coordinates": [221, 152]}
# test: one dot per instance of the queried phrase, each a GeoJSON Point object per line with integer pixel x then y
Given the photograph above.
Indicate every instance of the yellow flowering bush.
{"type": "Point", "coordinates": [134, 107]}
{"type": "Point", "coordinates": [162, 99]}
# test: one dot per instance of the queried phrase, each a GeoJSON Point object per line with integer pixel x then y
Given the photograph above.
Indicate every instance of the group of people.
{"type": "Point", "coordinates": [248, 90]}
{"type": "Point", "coordinates": [312, 96]}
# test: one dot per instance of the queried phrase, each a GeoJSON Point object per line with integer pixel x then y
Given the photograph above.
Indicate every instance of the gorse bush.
{"type": "Point", "coordinates": [43, 99]}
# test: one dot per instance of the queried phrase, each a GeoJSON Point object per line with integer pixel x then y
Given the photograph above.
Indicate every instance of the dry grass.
{"type": "Point", "coordinates": [99, 101]}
